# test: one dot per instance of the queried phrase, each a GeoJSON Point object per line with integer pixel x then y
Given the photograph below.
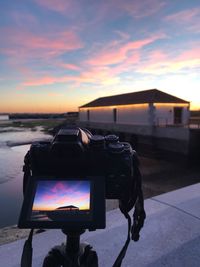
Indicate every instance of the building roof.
{"type": "Point", "coordinates": [141, 97]}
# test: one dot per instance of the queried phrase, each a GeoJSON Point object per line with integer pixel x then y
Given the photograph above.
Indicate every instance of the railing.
{"type": "Point", "coordinates": [194, 123]}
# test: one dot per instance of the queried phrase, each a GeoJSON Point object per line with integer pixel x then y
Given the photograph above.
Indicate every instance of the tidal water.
{"type": "Point", "coordinates": [14, 144]}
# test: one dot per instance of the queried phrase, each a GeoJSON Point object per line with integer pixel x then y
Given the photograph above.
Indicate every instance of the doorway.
{"type": "Point", "coordinates": [178, 114]}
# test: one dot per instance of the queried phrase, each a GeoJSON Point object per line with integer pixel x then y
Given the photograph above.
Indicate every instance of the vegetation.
{"type": "Point", "coordinates": [47, 124]}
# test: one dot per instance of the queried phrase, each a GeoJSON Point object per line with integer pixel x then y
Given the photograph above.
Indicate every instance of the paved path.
{"type": "Point", "coordinates": [170, 238]}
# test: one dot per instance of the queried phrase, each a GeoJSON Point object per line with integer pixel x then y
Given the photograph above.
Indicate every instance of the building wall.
{"type": "Point", "coordinates": [101, 115]}
{"type": "Point", "coordinates": [82, 114]}
{"type": "Point", "coordinates": [4, 117]}
{"type": "Point", "coordinates": [132, 114]}
{"type": "Point", "coordinates": [164, 114]}
{"type": "Point", "coordinates": [138, 114]}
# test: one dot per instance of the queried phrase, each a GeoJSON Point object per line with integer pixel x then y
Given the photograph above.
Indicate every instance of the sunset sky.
{"type": "Point", "coordinates": [51, 195]}
{"type": "Point", "coordinates": [56, 55]}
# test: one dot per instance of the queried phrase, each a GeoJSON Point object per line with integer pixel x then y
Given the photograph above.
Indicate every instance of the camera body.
{"type": "Point", "coordinates": [79, 153]}
{"type": "Point", "coordinates": [67, 180]}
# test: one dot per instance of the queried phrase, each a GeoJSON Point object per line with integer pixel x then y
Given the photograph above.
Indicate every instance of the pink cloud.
{"type": "Point", "coordinates": [47, 80]}
{"type": "Point", "coordinates": [114, 54]}
{"type": "Point", "coordinates": [59, 187]}
{"type": "Point", "coordinates": [100, 75]}
{"type": "Point", "coordinates": [159, 62]}
{"type": "Point", "coordinates": [70, 66]}
{"type": "Point", "coordinates": [48, 197]}
{"type": "Point", "coordinates": [25, 44]}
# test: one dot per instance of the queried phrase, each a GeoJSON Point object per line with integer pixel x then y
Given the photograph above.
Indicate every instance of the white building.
{"type": "Point", "coordinates": [147, 108]}
{"type": "Point", "coordinates": [4, 117]}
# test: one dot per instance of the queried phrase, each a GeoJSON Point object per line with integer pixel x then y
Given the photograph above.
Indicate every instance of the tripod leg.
{"type": "Point", "coordinates": [54, 258]}
{"type": "Point", "coordinates": [89, 257]}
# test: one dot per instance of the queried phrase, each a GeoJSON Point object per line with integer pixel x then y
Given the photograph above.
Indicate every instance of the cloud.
{"type": "Point", "coordinates": [189, 19]}
{"type": "Point", "coordinates": [61, 6]}
{"type": "Point", "coordinates": [59, 187]}
{"type": "Point", "coordinates": [136, 9]}
{"type": "Point", "coordinates": [70, 66]}
{"type": "Point", "coordinates": [160, 62]}
{"type": "Point", "coordinates": [140, 9]}
{"type": "Point", "coordinates": [21, 19]}
{"type": "Point", "coordinates": [115, 54]}
{"type": "Point", "coordinates": [27, 45]}
{"type": "Point", "coordinates": [46, 80]}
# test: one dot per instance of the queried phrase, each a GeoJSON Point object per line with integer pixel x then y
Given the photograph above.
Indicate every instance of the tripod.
{"type": "Point", "coordinates": [73, 254]}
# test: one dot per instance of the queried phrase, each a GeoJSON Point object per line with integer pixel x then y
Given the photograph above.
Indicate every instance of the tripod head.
{"type": "Point", "coordinates": [73, 254]}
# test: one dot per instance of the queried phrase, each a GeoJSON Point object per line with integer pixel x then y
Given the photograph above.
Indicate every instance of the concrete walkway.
{"type": "Point", "coordinates": [171, 236]}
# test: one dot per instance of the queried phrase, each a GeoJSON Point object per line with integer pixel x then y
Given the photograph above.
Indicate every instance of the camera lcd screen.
{"type": "Point", "coordinates": [61, 201]}
{"type": "Point", "coordinates": [64, 203]}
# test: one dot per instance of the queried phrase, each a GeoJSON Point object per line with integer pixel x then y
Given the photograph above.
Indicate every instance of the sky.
{"type": "Point", "coordinates": [57, 55]}
{"type": "Point", "coordinates": [51, 195]}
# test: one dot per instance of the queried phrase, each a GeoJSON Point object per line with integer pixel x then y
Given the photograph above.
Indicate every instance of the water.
{"type": "Point", "coordinates": [12, 152]}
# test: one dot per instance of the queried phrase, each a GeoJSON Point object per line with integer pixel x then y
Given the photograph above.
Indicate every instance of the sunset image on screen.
{"type": "Point", "coordinates": [56, 200]}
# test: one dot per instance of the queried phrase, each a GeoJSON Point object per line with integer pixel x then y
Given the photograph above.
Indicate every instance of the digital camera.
{"type": "Point", "coordinates": [67, 180]}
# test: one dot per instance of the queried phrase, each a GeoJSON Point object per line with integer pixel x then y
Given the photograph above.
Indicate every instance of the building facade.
{"type": "Point", "coordinates": [154, 122]}
{"type": "Point", "coordinates": [148, 108]}
{"type": "Point", "coordinates": [4, 117]}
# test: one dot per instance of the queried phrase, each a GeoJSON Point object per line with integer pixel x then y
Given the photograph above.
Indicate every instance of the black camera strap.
{"type": "Point", "coordinates": [26, 259]}
{"type": "Point", "coordinates": [139, 215]}
{"type": "Point", "coordinates": [122, 253]}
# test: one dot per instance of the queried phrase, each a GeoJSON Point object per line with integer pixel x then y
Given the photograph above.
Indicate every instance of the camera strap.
{"type": "Point", "coordinates": [139, 214]}
{"type": "Point", "coordinates": [122, 253]}
{"type": "Point", "coordinates": [26, 259]}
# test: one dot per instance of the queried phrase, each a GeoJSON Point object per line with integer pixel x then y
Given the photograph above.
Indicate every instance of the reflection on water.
{"type": "Point", "coordinates": [11, 175]}
{"type": "Point", "coordinates": [10, 136]}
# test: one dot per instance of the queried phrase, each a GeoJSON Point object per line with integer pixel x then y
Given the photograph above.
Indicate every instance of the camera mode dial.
{"type": "Point", "coordinates": [111, 138]}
